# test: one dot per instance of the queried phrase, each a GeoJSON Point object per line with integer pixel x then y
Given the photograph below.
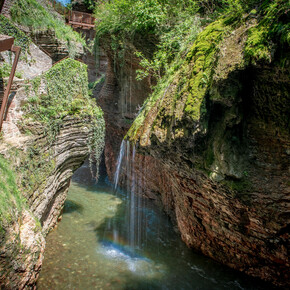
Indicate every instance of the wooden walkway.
{"type": "Point", "coordinates": [81, 20]}
{"type": "Point", "coordinates": [7, 43]}
{"type": "Point", "coordinates": [76, 19]}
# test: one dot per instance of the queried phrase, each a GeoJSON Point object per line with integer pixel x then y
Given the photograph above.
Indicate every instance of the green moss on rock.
{"type": "Point", "coordinates": [183, 90]}
{"type": "Point", "coordinates": [226, 46]}
{"type": "Point", "coordinates": [11, 202]}
{"type": "Point", "coordinates": [61, 92]}
{"type": "Point", "coordinates": [272, 27]}
{"type": "Point", "coordinates": [202, 58]}
{"type": "Point", "coordinates": [58, 96]}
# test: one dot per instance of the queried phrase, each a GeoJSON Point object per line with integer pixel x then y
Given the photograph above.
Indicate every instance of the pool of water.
{"type": "Point", "coordinates": [91, 248]}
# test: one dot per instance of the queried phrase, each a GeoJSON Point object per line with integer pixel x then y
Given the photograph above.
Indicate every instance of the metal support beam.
{"type": "Point", "coordinates": [16, 50]}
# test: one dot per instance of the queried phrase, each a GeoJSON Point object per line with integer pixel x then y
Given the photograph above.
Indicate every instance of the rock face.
{"type": "Point", "coordinates": [36, 63]}
{"type": "Point", "coordinates": [47, 41]}
{"type": "Point", "coordinates": [6, 7]}
{"type": "Point", "coordinates": [216, 153]}
{"type": "Point", "coordinates": [44, 165]}
{"type": "Point", "coordinates": [120, 98]}
{"type": "Point", "coordinates": [21, 257]}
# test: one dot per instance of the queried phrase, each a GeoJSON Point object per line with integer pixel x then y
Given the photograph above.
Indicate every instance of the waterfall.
{"type": "Point", "coordinates": [119, 162]}
{"type": "Point", "coordinates": [133, 198]}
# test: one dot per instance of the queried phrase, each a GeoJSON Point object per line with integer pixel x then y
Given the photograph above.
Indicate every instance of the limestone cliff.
{"type": "Point", "coordinates": [213, 144]}
{"type": "Point", "coordinates": [120, 98]}
{"type": "Point", "coordinates": [58, 127]}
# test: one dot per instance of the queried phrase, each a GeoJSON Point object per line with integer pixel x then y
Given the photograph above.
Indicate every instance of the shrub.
{"type": "Point", "coordinates": [31, 14]}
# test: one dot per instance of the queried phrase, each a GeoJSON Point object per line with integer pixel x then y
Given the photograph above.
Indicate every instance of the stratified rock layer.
{"type": "Point", "coordinates": [120, 99]}
{"type": "Point", "coordinates": [216, 153]}
{"type": "Point", "coordinates": [44, 162]}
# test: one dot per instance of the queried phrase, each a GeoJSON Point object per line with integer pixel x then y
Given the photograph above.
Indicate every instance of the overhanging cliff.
{"type": "Point", "coordinates": [59, 126]}
{"type": "Point", "coordinates": [214, 144]}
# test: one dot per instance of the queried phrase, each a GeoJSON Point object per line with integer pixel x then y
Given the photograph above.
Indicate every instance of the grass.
{"type": "Point", "coordinates": [20, 38]}
{"type": "Point", "coordinates": [33, 15]}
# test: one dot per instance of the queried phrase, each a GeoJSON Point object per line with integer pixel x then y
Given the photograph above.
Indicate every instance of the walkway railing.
{"type": "Point", "coordinates": [74, 18]}
{"type": "Point", "coordinates": [6, 43]}
{"type": "Point", "coordinates": [82, 19]}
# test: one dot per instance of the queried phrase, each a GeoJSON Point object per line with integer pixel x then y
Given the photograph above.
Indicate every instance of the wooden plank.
{"type": "Point", "coordinates": [6, 42]}
{"type": "Point", "coordinates": [81, 24]}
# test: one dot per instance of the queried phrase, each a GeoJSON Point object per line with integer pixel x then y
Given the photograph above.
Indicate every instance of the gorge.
{"type": "Point", "coordinates": [190, 102]}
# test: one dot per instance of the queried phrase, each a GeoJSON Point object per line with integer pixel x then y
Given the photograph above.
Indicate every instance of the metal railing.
{"type": "Point", "coordinates": [7, 43]}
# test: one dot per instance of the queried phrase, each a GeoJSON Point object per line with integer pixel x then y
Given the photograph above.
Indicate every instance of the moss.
{"type": "Point", "coordinates": [64, 92]}
{"type": "Point", "coordinates": [33, 167]}
{"type": "Point", "coordinates": [5, 70]}
{"type": "Point", "coordinates": [273, 26]}
{"type": "Point", "coordinates": [202, 58]}
{"type": "Point", "coordinates": [186, 82]}
{"type": "Point", "coordinates": [238, 186]}
{"type": "Point", "coordinates": [209, 157]}
{"type": "Point", "coordinates": [11, 202]}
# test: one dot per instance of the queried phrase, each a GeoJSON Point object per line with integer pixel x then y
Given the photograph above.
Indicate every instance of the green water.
{"type": "Point", "coordinates": [89, 248]}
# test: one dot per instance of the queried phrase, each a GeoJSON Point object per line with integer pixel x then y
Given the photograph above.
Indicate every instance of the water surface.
{"type": "Point", "coordinates": [92, 247]}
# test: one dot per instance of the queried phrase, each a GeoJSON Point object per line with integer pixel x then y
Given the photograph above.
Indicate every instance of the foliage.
{"type": "Point", "coordinates": [58, 94]}
{"type": "Point", "coordinates": [89, 4]}
{"type": "Point", "coordinates": [33, 15]}
{"type": "Point", "coordinates": [62, 92]}
{"type": "Point", "coordinates": [11, 202]}
{"type": "Point", "coordinates": [202, 57]}
{"type": "Point", "coordinates": [274, 25]}
{"type": "Point", "coordinates": [173, 44]}
{"type": "Point", "coordinates": [156, 17]}
{"type": "Point", "coordinates": [8, 28]}
{"type": "Point", "coordinates": [129, 17]}
{"type": "Point", "coordinates": [5, 70]}
{"type": "Point", "coordinates": [189, 78]}
{"type": "Point", "coordinates": [149, 20]}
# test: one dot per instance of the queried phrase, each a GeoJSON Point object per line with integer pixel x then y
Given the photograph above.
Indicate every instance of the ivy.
{"type": "Point", "coordinates": [60, 93]}
{"type": "Point", "coordinates": [5, 70]}
{"type": "Point", "coordinates": [8, 28]}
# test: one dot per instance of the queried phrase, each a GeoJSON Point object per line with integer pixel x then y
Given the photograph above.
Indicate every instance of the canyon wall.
{"type": "Point", "coordinates": [42, 155]}
{"type": "Point", "coordinates": [120, 98]}
{"type": "Point", "coordinates": [213, 147]}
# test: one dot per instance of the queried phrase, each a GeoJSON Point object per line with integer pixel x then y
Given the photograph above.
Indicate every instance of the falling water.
{"type": "Point", "coordinates": [119, 162]}
{"type": "Point", "coordinates": [134, 201]}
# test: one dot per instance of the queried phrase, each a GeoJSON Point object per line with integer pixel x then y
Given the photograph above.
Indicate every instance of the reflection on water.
{"type": "Point", "coordinates": [90, 249]}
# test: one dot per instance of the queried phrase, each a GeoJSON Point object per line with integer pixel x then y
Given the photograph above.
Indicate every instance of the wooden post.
{"type": "Point", "coordinates": [17, 50]}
